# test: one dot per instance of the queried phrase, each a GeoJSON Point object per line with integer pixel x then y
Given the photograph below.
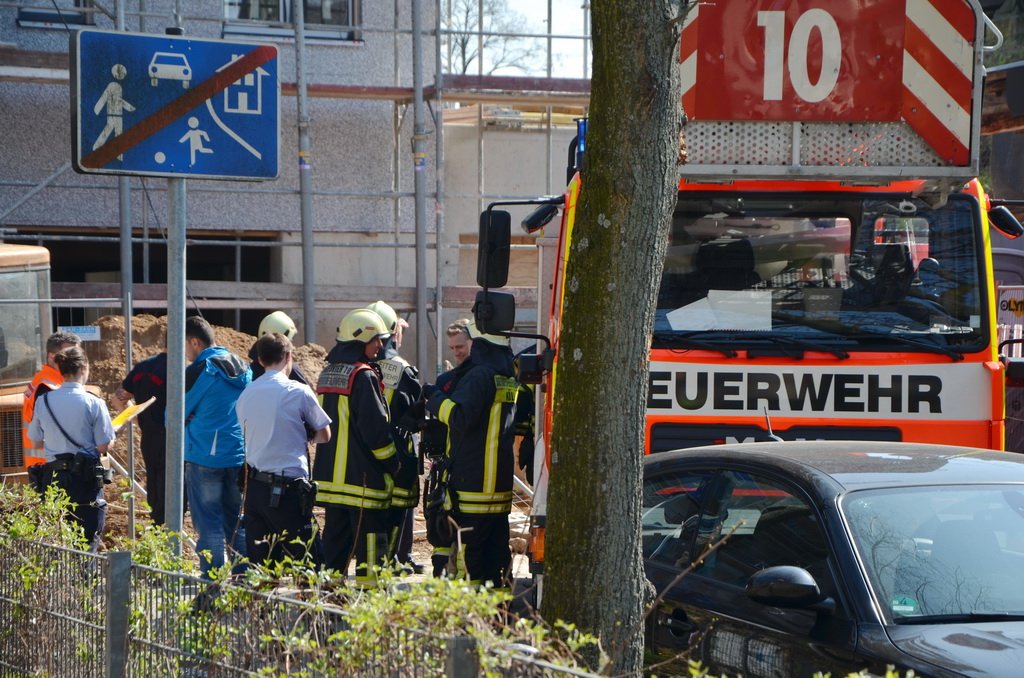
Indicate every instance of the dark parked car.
{"type": "Point", "coordinates": [837, 556]}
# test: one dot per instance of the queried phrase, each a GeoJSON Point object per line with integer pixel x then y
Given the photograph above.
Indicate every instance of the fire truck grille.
{"type": "Point", "coordinates": [818, 145]}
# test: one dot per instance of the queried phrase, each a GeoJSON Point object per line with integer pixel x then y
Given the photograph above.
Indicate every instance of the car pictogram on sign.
{"type": "Point", "coordinates": [169, 66]}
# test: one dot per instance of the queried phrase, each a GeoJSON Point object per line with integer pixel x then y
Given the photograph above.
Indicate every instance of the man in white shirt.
{"type": "Point", "coordinates": [279, 418]}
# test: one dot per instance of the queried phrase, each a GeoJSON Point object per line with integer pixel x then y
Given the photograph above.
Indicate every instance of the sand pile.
{"type": "Point", "coordinates": [149, 336]}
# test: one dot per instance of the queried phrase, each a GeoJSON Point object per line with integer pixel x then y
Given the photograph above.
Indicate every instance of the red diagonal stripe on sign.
{"type": "Point", "coordinates": [938, 65]}
{"type": "Point", "coordinates": [173, 111]}
{"type": "Point", "coordinates": [931, 129]}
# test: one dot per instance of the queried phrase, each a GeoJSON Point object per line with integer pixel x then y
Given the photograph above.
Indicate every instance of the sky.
{"type": "Point", "coordinates": [568, 20]}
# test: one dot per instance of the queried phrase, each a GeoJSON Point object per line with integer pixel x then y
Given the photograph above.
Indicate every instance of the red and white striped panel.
{"type": "Point", "coordinates": [938, 67]}
{"type": "Point", "coordinates": [688, 58]}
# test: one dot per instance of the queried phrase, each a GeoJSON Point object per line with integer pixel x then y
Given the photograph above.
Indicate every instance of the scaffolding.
{"type": "Point", "coordinates": [543, 102]}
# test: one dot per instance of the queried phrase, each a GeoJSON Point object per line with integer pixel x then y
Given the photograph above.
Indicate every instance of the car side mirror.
{"type": "Point", "coordinates": [533, 366]}
{"type": "Point", "coordinates": [784, 586]}
{"type": "Point", "coordinates": [494, 248]}
{"type": "Point", "coordinates": [1003, 219]}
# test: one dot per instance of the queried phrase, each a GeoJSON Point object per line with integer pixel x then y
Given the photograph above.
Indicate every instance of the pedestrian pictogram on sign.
{"type": "Point", "coordinates": [158, 105]}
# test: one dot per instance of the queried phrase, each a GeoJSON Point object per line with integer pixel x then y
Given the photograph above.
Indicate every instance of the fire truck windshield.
{"type": "Point", "coordinates": [842, 272]}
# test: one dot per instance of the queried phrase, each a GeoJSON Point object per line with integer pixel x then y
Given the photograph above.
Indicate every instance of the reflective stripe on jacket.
{"type": "Point", "coordinates": [47, 379]}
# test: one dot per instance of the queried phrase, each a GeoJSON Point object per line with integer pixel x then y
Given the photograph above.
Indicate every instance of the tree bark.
{"type": "Point", "coordinates": [594, 571]}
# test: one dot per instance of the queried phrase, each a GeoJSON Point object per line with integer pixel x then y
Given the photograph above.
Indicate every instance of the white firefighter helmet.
{"type": "Point", "coordinates": [496, 339]}
{"type": "Point", "coordinates": [362, 325]}
{"type": "Point", "coordinates": [279, 322]}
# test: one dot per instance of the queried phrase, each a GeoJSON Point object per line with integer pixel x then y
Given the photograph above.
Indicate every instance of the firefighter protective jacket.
{"type": "Point", "coordinates": [480, 415]}
{"type": "Point", "coordinates": [401, 389]}
{"type": "Point", "coordinates": [355, 469]}
{"type": "Point", "coordinates": [45, 380]}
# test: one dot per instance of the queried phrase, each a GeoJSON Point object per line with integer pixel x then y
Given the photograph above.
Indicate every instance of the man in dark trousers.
{"type": "Point", "coordinates": [354, 471]}
{"type": "Point", "coordinates": [401, 390]}
{"type": "Point", "coordinates": [435, 446]}
{"type": "Point", "coordinates": [279, 418]}
{"type": "Point", "coordinates": [148, 379]}
{"type": "Point", "coordinates": [480, 415]}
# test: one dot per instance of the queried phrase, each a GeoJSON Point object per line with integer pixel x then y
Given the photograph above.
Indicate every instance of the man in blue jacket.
{"type": "Point", "coordinates": [214, 446]}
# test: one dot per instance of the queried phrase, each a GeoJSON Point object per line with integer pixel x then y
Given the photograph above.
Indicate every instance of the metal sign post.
{"type": "Point", "coordinates": [175, 481]}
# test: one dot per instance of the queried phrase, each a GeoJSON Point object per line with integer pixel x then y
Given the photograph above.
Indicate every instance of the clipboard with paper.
{"type": "Point", "coordinates": [130, 412]}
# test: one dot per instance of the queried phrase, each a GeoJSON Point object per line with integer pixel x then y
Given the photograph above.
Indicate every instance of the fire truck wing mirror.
{"type": "Point", "coordinates": [533, 366]}
{"type": "Point", "coordinates": [1002, 218]}
{"type": "Point", "coordinates": [540, 217]}
{"type": "Point", "coordinates": [494, 312]}
{"type": "Point", "coordinates": [495, 247]}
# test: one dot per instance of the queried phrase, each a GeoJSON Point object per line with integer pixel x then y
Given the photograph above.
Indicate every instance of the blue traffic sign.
{"type": "Point", "coordinates": [157, 105]}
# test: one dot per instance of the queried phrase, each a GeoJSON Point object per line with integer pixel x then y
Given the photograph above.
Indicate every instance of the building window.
{"type": "Point", "coordinates": [71, 14]}
{"type": "Point", "coordinates": [324, 19]}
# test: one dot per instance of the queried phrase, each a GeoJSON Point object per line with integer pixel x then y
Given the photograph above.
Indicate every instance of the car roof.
{"type": "Point", "coordinates": [852, 464]}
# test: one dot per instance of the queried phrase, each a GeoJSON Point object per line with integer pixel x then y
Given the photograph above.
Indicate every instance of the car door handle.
{"type": "Point", "coordinates": [677, 625]}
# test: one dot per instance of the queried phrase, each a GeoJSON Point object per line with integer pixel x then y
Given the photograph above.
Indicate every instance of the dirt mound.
{"type": "Point", "coordinates": [149, 337]}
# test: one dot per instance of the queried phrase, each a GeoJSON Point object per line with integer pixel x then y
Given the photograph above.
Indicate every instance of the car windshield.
{"type": "Point", "coordinates": [834, 273]}
{"type": "Point", "coordinates": [941, 553]}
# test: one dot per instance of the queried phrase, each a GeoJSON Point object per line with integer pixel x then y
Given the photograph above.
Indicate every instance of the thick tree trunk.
{"type": "Point", "coordinates": [594, 573]}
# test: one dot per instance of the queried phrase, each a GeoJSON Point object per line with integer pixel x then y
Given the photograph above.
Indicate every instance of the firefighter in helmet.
{"type": "Point", "coordinates": [480, 414]}
{"type": "Point", "coordinates": [401, 390]}
{"type": "Point", "coordinates": [355, 470]}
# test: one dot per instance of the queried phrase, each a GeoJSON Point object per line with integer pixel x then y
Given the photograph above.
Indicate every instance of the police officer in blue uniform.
{"type": "Point", "coordinates": [73, 428]}
{"type": "Point", "coordinates": [279, 417]}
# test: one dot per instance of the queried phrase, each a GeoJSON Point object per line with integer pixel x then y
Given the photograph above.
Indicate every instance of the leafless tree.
{"type": "Point", "coordinates": [501, 49]}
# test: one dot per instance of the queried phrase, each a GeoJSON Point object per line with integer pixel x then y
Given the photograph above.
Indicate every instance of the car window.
{"type": "Point", "coordinates": [671, 509]}
{"type": "Point", "coordinates": [944, 550]}
{"type": "Point", "coordinates": [759, 523]}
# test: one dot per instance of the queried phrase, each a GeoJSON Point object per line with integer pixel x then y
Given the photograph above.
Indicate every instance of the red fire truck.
{"type": "Point", "coordinates": [829, 272]}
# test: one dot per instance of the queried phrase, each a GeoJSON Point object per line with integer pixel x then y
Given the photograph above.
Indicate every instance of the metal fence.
{"type": "Point", "coordinates": [71, 613]}
{"type": "Point", "coordinates": [53, 612]}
